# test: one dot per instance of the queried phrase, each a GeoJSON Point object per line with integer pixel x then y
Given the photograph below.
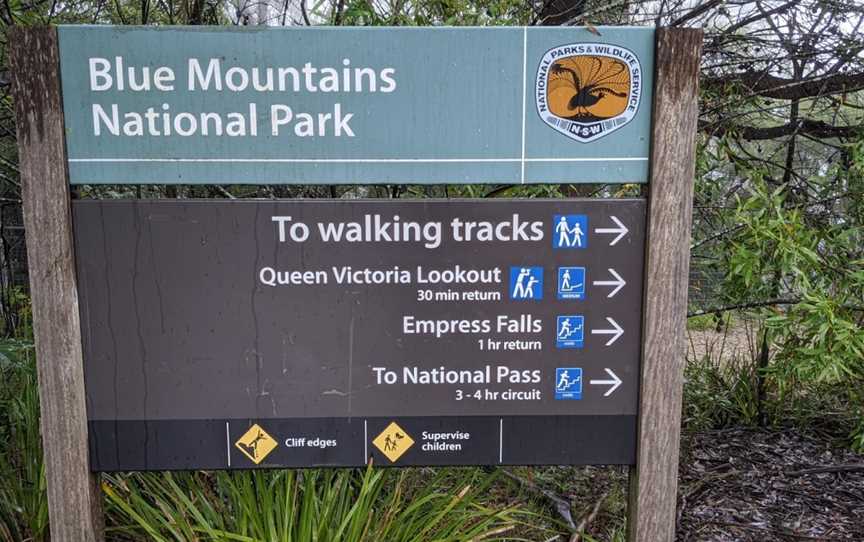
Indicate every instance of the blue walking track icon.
{"type": "Point", "coordinates": [568, 383]}
{"type": "Point", "coordinates": [569, 231]}
{"type": "Point", "coordinates": [570, 331]}
{"type": "Point", "coordinates": [571, 283]}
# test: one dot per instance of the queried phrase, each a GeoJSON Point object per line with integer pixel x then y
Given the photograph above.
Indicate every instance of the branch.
{"type": "Point", "coordinates": [560, 12]}
{"type": "Point", "coordinates": [716, 236]}
{"type": "Point", "coordinates": [221, 190]}
{"type": "Point", "coordinates": [762, 14]}
{"type": "Point", "coordinates": [694, 13]}
{"type": "Point", "coordinates": [10, 180]}
{"type": "Point", "coordinates": [770, 86]}
{"type": "Point", "coordinates": [580, 529]}
{"type": "Point", "coordinates": [304, 12]}
{"type": "Point", "coordinates": [835, 468]}
{"type": "Point", "coordinates": [768, 303]}
{"type": "Point", "coordinates": [815, 128]}
{"type": "Point", "coordinates": [340, 7]}
{"type": "Point", "coordinates": [753, 305]}
{"type": "Point", "coordinates": [496, 192]}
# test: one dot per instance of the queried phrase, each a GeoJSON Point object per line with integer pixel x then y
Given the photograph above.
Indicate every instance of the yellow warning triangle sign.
{"type": "Point", "coordinates": [256, 444]}
{"type": "Point", "coordinates": [393, 442]}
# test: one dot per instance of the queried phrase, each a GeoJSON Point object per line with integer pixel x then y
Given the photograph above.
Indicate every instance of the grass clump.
{"type": "Point", "coordinates": [23, 498]}
{"type": "Point", "coordinates": [306, 505]}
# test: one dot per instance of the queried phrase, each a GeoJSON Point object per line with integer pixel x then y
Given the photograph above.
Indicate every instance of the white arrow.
{"type": "Point", "coordinates": [617, 332]}
{"type": "Point", "coordinates": [615, 382]}
{"type": "Point", "coordinates": [621, 230]}
{"type": "Point", "coordinates": [618, 283]}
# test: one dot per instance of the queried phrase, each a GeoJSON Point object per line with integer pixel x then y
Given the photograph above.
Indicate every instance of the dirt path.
{"type": "Point", "coordinates": [733, 343]}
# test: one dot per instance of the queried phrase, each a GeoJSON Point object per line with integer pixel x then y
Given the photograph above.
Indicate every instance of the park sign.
{"type": "Point", "coordinates": [222, 334]}
{"type": "Point", "coordinates": [331, 332]}
{"type": "Point", "coordinates": [321, 105]}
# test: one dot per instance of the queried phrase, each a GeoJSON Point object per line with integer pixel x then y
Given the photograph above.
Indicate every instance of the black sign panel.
{"type": "Point", "coordinates": [250, 334]}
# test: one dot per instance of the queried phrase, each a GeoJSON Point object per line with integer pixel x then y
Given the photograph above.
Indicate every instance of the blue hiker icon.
{"type": "Point", "coordinates": [571, 283]}
{"type": "Point", "coordinates": [568, 383]}
{"type": "Point", "coordinates": [569, 231]}
{"type": "Point", "coordinates": [570, 331]}
{"type": "Point", "coordinates": [526, 283]}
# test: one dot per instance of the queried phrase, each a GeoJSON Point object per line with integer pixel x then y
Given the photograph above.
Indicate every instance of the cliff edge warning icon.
{"type": "Point", "coordinates": [256, 444]}
{"type": "Point", "coordinates": [393, 442]}
{"type": "Point", "coordinates": [588, 90]}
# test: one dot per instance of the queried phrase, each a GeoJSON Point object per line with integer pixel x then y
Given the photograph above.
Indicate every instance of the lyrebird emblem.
{"type": "Point", "coordinates": [584, 82]}
{"type": "Point", "coordinates": [592, 87]}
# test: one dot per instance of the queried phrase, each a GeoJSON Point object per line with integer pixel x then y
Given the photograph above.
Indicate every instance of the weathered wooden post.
{"type": "Point", "coordinates": [74, 497]}
{"type": "Point", "coordinates": [654, 479]}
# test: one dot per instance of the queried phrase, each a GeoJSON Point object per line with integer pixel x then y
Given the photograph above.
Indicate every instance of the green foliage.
{"type": "Point", "coordinates": [774, 248]}
{"type": "Point", "coordinates": [442, 12]}
{"type": "Point", "coordinates": [857, 434]}
{"type": "Point", "coordinates": [18, 322]}
{"type": "Point", "coordinates": [303, 505]}
{"type": "Point", "coordinates": [806, 282]}
{"type": "Point", "coordinates": [719, 393]}
{"type": "Point", "coordinates": [722, 391]}
{"type": "Point", "coordinates": [819, 342]}
{"type": "Point", "coordinates": [23, 500]}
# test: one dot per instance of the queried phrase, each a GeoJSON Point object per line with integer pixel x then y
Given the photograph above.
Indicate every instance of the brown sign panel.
{"type": "Point", "coordinates": [297, 333]}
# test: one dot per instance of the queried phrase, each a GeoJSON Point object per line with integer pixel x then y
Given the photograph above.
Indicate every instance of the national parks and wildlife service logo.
{"type": "Point", "coordinates": [588, 90]}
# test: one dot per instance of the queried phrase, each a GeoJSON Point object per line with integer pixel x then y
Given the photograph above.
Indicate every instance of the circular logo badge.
{"type": "Point", "coordinates": [588, 90]}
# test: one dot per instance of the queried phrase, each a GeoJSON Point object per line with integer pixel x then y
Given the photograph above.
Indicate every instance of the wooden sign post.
{"type": "Point", "coordinates": [74, 495]}
{"type": "Point", "coordinates": [654, 479]}
{"type": "Point", "coordinates": [536, 138]}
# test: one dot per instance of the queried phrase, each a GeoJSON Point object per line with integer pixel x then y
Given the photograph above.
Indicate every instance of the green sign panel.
{"type": "Point", "coordinates": [357, 105]}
